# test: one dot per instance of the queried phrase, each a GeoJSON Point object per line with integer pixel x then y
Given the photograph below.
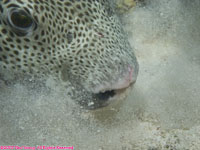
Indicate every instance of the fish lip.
{"type": "Point", "coordinates": [120, 91]}
{"type": "Point", "coordinates": [123, 82]}
{"type": "Point", "coordinates": [115, 87]}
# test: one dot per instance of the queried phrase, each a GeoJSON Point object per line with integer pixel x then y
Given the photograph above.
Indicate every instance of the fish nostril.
{"type": "Point", "coordinates": [104, 96]}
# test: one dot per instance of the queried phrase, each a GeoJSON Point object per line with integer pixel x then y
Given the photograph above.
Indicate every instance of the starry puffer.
{"type": "Point", "coordinates": [77, 41]}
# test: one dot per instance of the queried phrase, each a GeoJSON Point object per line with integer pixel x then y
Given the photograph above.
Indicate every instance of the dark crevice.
{"type": "Point", "coordinates": [104, 96]}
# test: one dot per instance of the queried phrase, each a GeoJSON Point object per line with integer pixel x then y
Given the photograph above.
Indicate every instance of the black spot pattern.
{"type": "Point", "coordinates": [83, 36]}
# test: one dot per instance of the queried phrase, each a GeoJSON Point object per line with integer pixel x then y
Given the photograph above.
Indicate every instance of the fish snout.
{"type": "Point", "coordinates": [104, 93]}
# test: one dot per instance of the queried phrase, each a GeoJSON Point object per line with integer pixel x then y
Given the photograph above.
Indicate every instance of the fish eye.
{"type": "Point", "coordinates": [21, 22]}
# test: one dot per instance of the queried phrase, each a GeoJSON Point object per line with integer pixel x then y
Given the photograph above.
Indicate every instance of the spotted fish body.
{"type": "Point", "coordinates": [80, 41]}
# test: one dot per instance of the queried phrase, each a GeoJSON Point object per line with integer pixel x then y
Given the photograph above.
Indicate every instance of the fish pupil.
{"type": "Point", "coordinates": [21, 20]}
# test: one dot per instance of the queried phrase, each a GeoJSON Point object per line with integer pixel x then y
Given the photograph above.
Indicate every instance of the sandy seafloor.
{"type": "Point", "coordinates": [161, 113]}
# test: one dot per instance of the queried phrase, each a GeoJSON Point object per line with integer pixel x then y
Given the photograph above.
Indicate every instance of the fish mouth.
{"type": "Point", "coordinates": [116, 90]}
{"type": "Point", "coordinates": [111, 91]}
{"type": "Point", "coordinates": [113, 94]}
{"type": "Point", "coordinates": [105, 98]}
